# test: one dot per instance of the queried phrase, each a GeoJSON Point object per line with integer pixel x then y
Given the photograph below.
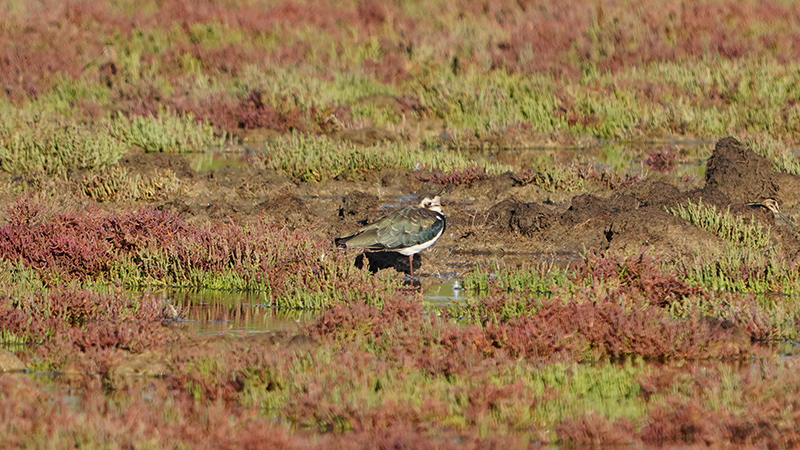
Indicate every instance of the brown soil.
{"type": "Point", "coordinates": [494, 216]}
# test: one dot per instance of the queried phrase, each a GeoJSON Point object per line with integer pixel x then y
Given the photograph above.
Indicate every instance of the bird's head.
{"type": "Point", "coordinates": [769, 203]}
{"type": "Point", "coordinates": [772, 205]}
{"type": "Point", "coordinates": [432, 203]}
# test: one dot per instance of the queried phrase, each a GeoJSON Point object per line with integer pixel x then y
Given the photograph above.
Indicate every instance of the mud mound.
{"type": "Point", "coordinates": [739, 173]}
{"type": "Point", "coordinates": [525, 218]}
{"type": "Point", "coordinates": [621, 222]}
{"type": "Point", "coordinates": [788, 190]}
{"type": "Point", "coordinates": [286, 209]}
{"type": "Point", "coordinates": [638, 216]}
{"type": "Point", "coordinates": [654, 227]}
{"type": "Point", "coordinates": [743, 177]}
{"type": "Point", "coordinates": [588, 208]}
{"type": "Point", "coordinates": [655, 193]}
{"type": "Point", "coordinates": [710, 195]}
{"type": "Point", "coordinates": [490, 215]}
{"type": "Point", "coordinates": [360, 206]}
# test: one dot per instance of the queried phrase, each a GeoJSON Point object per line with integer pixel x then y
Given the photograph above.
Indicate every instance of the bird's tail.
{"type": "Point", "coordinates": [341, 242]}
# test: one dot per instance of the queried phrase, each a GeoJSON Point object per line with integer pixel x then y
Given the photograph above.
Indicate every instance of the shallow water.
{"type": "Point", "coordinates": [213, 312]}
{"type": "Point", "coordinates": [207, 161]}
{"type": "Point", "coordinates": [205, 312]}
{"type": "Point", "coordinates": [444, 293]}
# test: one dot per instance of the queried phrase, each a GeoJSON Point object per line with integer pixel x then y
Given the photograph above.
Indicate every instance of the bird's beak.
{"type": "Point", "coordinates": [785, 219]}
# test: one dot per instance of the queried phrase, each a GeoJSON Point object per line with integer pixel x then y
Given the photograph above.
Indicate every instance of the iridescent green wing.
{"type": "Point", "coordinates": [408, 227]}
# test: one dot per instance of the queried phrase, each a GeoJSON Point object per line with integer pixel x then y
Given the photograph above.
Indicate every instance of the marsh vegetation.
{"type": "Point", "coordinates": [173, 174]}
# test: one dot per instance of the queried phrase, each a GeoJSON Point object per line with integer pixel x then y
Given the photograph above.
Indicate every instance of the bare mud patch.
{"type": "Point", "coordinates": [492, 215]}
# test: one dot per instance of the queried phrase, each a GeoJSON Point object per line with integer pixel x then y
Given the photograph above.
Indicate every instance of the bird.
{"type": "Point", "coordinates": [772, 205]}
{"type": "Point", "coordinates": [407, 231]}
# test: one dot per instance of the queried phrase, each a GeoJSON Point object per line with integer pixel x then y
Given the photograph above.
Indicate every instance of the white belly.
{"type": "Point", "coordinates": [420, 247]}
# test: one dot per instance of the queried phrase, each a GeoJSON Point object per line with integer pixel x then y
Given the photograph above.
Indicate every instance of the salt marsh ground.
{"type": "Point", "coordinates": [170, 166]}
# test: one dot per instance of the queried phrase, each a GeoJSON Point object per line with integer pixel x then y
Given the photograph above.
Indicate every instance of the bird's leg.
{"type": "Point", "coordinates": [411, 264]}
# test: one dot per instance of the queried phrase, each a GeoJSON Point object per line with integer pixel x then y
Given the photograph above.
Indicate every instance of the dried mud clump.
{"type": "Point", "coordinates": [286, 209]}
{"type": "Point", "coordinates": [739, 173]}
{"type": "Point", "coordinates": [638, 214]}
{"type": "Point", "coordinates": [361, 206]}
{"type": "Point", "coordinates": [515, 216]}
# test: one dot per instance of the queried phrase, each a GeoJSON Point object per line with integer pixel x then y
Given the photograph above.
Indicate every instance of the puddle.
{"type": "Point", "coordinates": [207, 312]}
{"type": "Point", "coordinates": [211, 312]}
{"type": "Point", "coordinates": [443, 294]}
{"type": "Point", "coordinates": [204, 162]}
{"type": "Point", "coordinates": [204, 312]}
{"type": "Point", "coordinates": [501, 260]}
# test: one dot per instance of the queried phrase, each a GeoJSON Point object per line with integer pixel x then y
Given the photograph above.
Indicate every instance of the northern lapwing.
{"type": "Point", "coordinates": [407, 231]}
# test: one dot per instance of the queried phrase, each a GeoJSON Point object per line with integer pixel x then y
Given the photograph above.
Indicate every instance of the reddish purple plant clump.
{"type": "Point", "coordinates": [640, 276]}
{"type": "Point", "coordinates": [662, 160]}
{"type": "Point", "coordinates": [82, 244]}
{"type": "Point", "coordinates": [69, 323]}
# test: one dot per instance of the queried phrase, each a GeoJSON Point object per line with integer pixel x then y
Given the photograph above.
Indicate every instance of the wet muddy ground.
{"type": "Point", "coordinates": [494, 222]}
{"type": "Point", "coordinates": [170, 282]}
{"type": "Point", "coordinates": [491, 217]}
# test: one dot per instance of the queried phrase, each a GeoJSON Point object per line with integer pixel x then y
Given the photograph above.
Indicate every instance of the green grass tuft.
{"type": "Point", "coordinates": [320, 158]}
{"type": "Point", "coordinates": [166, 132]}
{"type": "Point", "coordinates": [52, 144]}
{"type": "Point", "coordinates": [732, 228]}
{"type": "Point", "coordinates": [113, 184]}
